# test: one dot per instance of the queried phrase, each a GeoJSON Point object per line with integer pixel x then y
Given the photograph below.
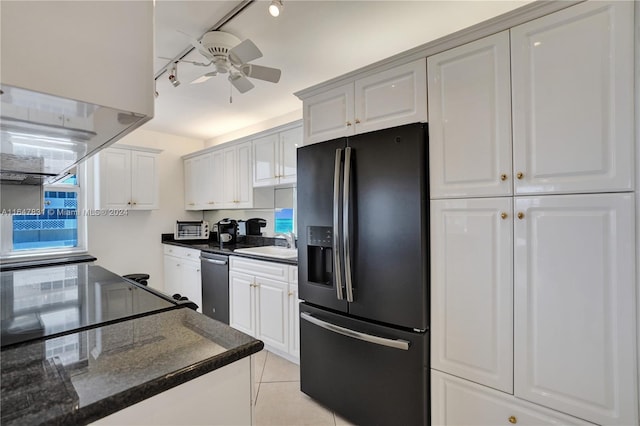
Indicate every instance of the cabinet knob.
{"type": "Point", "coordinates": [520, 215]}
{"type": "Point", "coordinates": [192, 204]}
{"type": "Point", "coordinates": [198, 270]}
{"type": "Point", "coordinates": [348, 124]}
{"type": "Point", "coordinates": [519, 175]}
{"type": "Point", "coordinates": [290, 293]}
{"type": "Point", "coordinates": [357, 121]}
{"type": "Point", "coordinates": [504, 215]}
{"type": "Point", "coordinates": [128, 203]}
{"type": "Point", "coordinates": [135, 204]}
{"type": "Point", "coordinates": [503, 177]}
{"type": "Point", "coordinates": [513, 420]}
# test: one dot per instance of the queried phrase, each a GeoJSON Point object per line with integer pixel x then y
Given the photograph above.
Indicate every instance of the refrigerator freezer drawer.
{"type": "Point", "coordinates": [367, 373]}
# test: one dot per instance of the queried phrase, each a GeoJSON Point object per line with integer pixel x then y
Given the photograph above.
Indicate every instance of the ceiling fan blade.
{"type": "Point", "coordinates": [262, 73]}
{"type": "Point", "coordinates": [204, 78]}
{"type": "Point", "coordinates": [244, 52]}
{"type": "Point", "coordinates": [241, 83]}
{"type": "Point", "coordinates": [195, 43]}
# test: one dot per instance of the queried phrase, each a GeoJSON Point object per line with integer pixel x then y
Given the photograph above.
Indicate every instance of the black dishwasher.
{"type": "Point", "coordinates": [215, 286]}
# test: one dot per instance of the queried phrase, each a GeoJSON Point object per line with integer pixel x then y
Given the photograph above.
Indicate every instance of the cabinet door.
{"type": "Point", "coordinates": [290, 141]}
{"type": "Point", "coordinates": [294, 321]}
{"type": "Point", "coordinates": [115, 179]}
{"type": "Point", "coordinates": [470, 119]}
{"type": "Point", "coordinates": [574, 305]}
{"type": "Point", "coordinates": [272, 322]}
{"type": "Point", "coordinates": [265, 161]}
{"type": "Point", "coordinates": [242, 302]}
{"type": "Point", "coordinates": [217, 178]}
{"type": "Point", "coordinates": [471, 290]}
{"type": "Point", "coordinates": [172, 275]}
{"type": "Point", "coordinates": [192, 283]}
{"type": "Point", "coordinates": [328, 115]}
{"type": "Point", "coordinates": [572, 75]}
{"type": "Point", "coordinates": [229, 178]}
{"type": "Point", "coordinates": [144, 181]}
{"type": "Point", "coordinates": [190, 189]}
{"type": "Point", "coordinates": [243, 175]}
{"type": "Point", "coordinates": [391, 98]}
{"type": "Point", "coordinates": [457, 402]}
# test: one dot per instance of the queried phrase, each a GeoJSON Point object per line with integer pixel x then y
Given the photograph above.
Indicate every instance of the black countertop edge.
{"type": "Point", "coordinates": [139, 393]}
{"type": "Point", "coordinates": [13, 265]}
{"type": "Point", "coordinates": [228, 249]}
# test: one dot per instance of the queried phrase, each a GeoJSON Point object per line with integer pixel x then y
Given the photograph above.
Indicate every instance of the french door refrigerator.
{"type": "Point", "coordinates": [363, 275]}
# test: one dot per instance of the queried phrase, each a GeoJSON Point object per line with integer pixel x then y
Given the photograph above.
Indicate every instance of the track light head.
{"type": "Point", "coordinates": [173, 75]}
{"type": "Point", "coordinates": [275, 8]}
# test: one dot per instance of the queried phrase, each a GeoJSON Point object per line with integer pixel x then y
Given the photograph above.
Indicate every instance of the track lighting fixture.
{"type": "Point", "coordinates": [275, 8]}
{"type": "Point", "coordinates": [173, 75]}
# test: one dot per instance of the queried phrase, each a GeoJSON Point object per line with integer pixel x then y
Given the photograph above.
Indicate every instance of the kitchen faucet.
{"type": "Point", "coordinates": [290, 237]}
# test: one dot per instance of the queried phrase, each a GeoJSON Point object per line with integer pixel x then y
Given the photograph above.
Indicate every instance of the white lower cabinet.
{"type": "Point", "coordinates": [261, 303]}
{"type": "Point", "coordinates": [460, 402]}
{"type": "Point", "coordinates": [182, 273]}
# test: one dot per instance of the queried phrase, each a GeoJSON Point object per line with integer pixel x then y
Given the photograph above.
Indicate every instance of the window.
{"type": "Point", "coordinates": [283, 220]}
{"type": "Point", "coordinates": [58, 228]}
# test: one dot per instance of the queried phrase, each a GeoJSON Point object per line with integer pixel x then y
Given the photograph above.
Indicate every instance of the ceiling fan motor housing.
{"type": "Point", "coordinates": [219, 42]}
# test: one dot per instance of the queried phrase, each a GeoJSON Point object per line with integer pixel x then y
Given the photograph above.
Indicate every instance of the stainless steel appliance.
{"type": "Point", "coordinates": [191, 230]}
{"type": "Point", "coordinates": [227, 230]}
{"type": "Point", "coordinates": [363, 275]}
{"type": "Point", "coordinates": [215, 286]}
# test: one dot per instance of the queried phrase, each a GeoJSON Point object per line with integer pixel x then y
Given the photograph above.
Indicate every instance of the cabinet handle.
{"type": "Point", "coordinates": [192, 204]}
{"type": "Point", "coordinates": [503, 177]}
{"type": "Point", "coordinates": [513, 420]}
{"type": "Point", "coordinates": [211, 202]}
{"type": "Point", "coordinates": [520, 215]}
{"type": "Point", "coordinates": [504, 215]}
{"type": "Point", "coordinates": [290, 293]}
{"type": "Point", "coordinates": [357, 121]}
{"type": "Point", "coordinates": [519, 175]}
{"type": "Point", "coordinates": [348, 124]}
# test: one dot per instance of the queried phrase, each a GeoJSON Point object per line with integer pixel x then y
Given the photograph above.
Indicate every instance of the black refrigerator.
{"type": "Point", "coordinates": [363, 266]}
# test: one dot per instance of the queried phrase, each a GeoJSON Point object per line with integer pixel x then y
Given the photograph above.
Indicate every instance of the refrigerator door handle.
{"type": "Point", "coordinates": [345, 222]}
{"type": "Point", "coordinates": [336, 225]}
{"type": "Point", "coordinates": [392, 343]}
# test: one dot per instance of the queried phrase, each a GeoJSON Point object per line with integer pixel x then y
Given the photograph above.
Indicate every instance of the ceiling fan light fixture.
{"type": "Point", "coordinates": [275, 8]}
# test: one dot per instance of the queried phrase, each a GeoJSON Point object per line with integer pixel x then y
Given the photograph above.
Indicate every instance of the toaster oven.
{"type": "Point", "coordinates": [191, 230]}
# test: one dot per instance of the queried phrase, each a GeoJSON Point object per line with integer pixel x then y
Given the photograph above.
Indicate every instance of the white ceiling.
{"type": "Point", "coordinates": [311, 42]}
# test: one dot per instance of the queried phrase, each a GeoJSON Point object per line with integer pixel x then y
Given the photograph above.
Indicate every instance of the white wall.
{"type": "Point", "coordinates": [256, 128]}
{"type": "Point", "coordinates": [131, 244]}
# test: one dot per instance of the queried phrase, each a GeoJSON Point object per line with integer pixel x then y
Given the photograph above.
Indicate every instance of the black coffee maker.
{"type": "Point", "coordinates": [227, 231]}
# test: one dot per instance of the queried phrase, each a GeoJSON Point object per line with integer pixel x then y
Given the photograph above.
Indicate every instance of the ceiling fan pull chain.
{"type": "Point", "coordinates": [230, 93]}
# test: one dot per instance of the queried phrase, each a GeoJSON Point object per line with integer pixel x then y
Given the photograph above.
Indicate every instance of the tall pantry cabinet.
{"type": "Point", "coordinates": [533, 288]}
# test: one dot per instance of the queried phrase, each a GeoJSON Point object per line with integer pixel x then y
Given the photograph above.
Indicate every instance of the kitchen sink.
{"type": "Point", "coordinates": [270, 251]}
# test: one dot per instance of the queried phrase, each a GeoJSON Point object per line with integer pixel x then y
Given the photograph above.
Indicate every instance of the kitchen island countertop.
{"type": "Point", "coordinates": [115, 366]}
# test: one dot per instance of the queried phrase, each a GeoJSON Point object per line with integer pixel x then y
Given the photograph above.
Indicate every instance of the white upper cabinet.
{"type": "Point", "coordinates": [328, 115]}
{"type": "Point", "coordinates": [128, 179]}
{"type": "Point", "coordinates": [274, 157]}
{"type": "Point", "coordinates": [219, 179]}
{"type": "Point", "coordinates": [199, 186]}
{"type": "Point", "coordinates": [382, 100]}
{"type": "Point", "coordinates": [575, 334]}
{"type": "Point", "coordinates": [391, 98]}
{"type": "Point", "coordinates": [471, 290]}
{"type": "Point", "coordinates": [470, 119]}
{"type": "Point", "coordinates": [572, 74]}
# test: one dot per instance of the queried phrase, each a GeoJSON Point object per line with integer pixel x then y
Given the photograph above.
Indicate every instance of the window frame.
{"type": "Point", "coordinates": [6, 224]}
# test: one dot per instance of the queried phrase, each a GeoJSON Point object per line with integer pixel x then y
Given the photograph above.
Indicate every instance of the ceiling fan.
{"type": "Point", "coordinates": [229, 55]}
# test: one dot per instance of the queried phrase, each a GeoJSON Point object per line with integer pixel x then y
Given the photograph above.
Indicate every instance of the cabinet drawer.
{"type": "Point", "coordinates": [273, 270]}
{"type": "Point", "coordinates": [182, 252]}
{"type": "Point", "coordinates": [459, 402]}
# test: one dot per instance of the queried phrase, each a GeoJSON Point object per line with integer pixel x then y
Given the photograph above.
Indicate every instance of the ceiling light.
{"type": "Point", "coordinates": [173, 75]}
{"type": "Point", "coordinates": [275, 8]}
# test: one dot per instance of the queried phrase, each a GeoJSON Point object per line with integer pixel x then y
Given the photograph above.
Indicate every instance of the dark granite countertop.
{"type": "Point", "coordinates": [81, 377]}
{"type": "Point", "coordinates": [228, 249]}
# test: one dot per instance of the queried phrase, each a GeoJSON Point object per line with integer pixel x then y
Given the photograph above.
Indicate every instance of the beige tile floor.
{"type": "Point", "coordinates": [277, 397]}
